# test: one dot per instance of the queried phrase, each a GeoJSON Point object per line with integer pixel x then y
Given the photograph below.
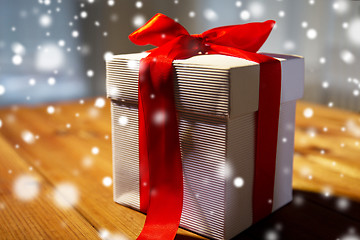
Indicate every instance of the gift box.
{"type": "Point", "coordinates": [217, 102]}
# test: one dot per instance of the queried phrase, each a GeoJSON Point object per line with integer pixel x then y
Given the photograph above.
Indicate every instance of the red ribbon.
{"type": "Point", "coordinates": [161, 180]}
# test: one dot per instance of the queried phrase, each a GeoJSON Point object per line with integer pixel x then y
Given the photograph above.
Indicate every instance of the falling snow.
{"type": "Point", "coordinates": [28, 137]}
{"type": "Point", "coordinates": [107, 181]}
{"type": "Point", "coordinates": [325, 84]}
{"type": "Point", "coordinates": [123, 120]}
{"type": "Point", "coordinates": [83, 14]}
{"type": "Point", "coordinates": [138, 4]}
{"type": "Point", "coordinates": [108, 56]}
{"type": "Point", "coordinates": [49, 58]}
{"type": "Point", "coordinates": [51, 81]}
{"type": "Point", "coordinates": [66, 195]}
{"type": "Point", "coordinates": [159, 117]}
{"type": "Point", "coordinates": [32, 81]}
{"type": "Point", "coordinates": [308, 112]}
{"type": "Point", "coordinates": [50, 109]}
{"type": "Point", "coordinates": [75, 34]}
{"type": "Point", "coordinates": [271, 235]}
{"type": "Point", "coordinates": [347, 56]}
{"type": "Point", "coordinates": [90, 73]}
{"type": "Point", "coordinates": [138, 21]}
{"type": "Point", "coordinates": [341, 6]}
{"type": "Point", "coordinates": [18, 48]}
{"type": "Point", "coordinates": [45, 20]}
{"type": "Point", "coordinates": [311, 33]}
{"type": "Point", "coordinates": [100, 102]}
{"type": "Point", "coordinates": [322, 60]}
{"type": "Point", "coordinates": [210, 15]}
{"type": "Point", "coordinates": [238, 182]}
{"type": "Point", "coordinates": [256, 9]}
{"type": "Point", "coordinates": [105, 234]}
{"type": "Point", "coordinates": [245, 15]}
{"type": "Point", "coordinates": [2, 90]}
{"type": "Point", "coordinates": [17, 59]}
{"type": "Point", "coordinates": [26, 187]}
{"type": "Point", "coordinates": [192, 14]}
{"type": "Point", "coordinates": [87, 162]}
{"type": "Point", "coordinates": [353, 31]}
{"type": "Point", "coordinates": [95, 150]}
{"type": "Point", "coordinates": [111, 3]}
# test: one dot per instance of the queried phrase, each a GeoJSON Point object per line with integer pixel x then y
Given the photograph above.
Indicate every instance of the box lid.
{"type": "Point", "coordinates": [208, 84]}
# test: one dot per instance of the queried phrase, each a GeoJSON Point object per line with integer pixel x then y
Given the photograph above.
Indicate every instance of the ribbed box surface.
{"type": "Point", "coordinates": [217, 109]}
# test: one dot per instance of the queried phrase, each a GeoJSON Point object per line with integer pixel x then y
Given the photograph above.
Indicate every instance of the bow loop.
{"type": "Point", "coordinates": [247, 37]}
{"type": "Point", "coordinates": [159, 30]}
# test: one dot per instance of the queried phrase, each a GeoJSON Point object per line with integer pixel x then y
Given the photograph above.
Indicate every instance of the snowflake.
{"type": "Point", "coordinates": [87, 162]}
{"type": "Point", "coordinates": [95, 150]}
{"type": "Point", "coordinates": [353, 31]}
{"type": "Point", "coordinates": [45, 20]}
{"type": "Point", "coordinates": [107, 181]}
{"type": "Point", "coordinates": [51, 81]}
{"type": "Point", "coordinates": [2, 90]}
{"type": "Point", "coordinates": [28, 137]}
{"type": "Point", "coordinates": [325, 84]}
{"type": "Point", "coordinates": [108, 56]}
{"type": "Point", "coordinates": [123, 120]}
{"type": "Point", "coordinates": [26, 187]}
{"type": "Point", "coordinates": [311, 33]}
{"type": "Point", "coordinates": [111, 3]}
{"type": "Point", "coordinates": [138, 4]}
{"type": "Point", "coordinates": [238, 182]}
{"type": "Point", "coordinates": [322, 60]}
{"type": "Point", "coordinates": [271, 235]}
{"type": "Point", "coordinates": [245, 15]}
{"type": "Point", "coordinates": [257, 9]}
{"type": "Point", "coordinates": [159, 117]}
{"type": "Point", "coordinates": [308, 112]}
{"type": "Point", "coordinates": [100, 102]}
{"type": "Point", "coordinates": [66, 195]}
{"type": "Point", "coordinates": [138, 20]}
{"type": "Point", "coordinates": [341, 6]}
{"type": "Point", "coordinates": [50, 109]}
{"type": "Point", "coordinates": [17, 59]}
{"type": "Point", "coordinates": [210, 15]}
{"type": "Point", "coordinates": [75, 34]}
{"type": "Point", "coordinates": [192, 14]}
{"type": "Point", "coordinates": [83, 14]}
{"type": "Point", "coordinates": [90, 73]}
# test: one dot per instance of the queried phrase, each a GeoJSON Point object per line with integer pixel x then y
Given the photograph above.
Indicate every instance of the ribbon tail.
{"type": "Point", "coordinates": [163, 148]}
{"type": "Point", "coordinates": [267, 136]}
{"type": "Point", "coordinates": [267, 126]}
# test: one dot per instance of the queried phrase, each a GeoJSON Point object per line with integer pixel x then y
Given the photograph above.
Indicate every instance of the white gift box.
{"type": "Point", "coordinates": [217, 101]}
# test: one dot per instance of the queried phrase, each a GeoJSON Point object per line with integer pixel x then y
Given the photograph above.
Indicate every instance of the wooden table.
{"type": "Point", "coordinates": [54, 171]}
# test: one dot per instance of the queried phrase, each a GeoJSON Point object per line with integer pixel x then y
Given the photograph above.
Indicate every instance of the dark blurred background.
{"type": "Point", "coordinates": [52, 50]}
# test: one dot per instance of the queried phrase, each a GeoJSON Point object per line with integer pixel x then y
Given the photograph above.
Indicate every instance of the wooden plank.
{"type": "Point", "coordinates": [38, 217]}
{"type": "Point", "coordinates": [327, 160]}
{"type": "Point", "coordinates": [64, 154]}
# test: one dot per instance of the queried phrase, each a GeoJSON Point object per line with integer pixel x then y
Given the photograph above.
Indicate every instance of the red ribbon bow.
{"type": "Point", "coordinates": [161, 179]}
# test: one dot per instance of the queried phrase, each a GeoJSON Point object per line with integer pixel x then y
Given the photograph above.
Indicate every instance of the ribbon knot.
{"type": "Point", "coordinates": [159, 145]}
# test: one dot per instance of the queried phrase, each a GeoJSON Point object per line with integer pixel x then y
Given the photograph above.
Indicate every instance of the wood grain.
{"type": "Point", "coordinates": [37, 218]}
{"type": "Point", "coordinates": [327, 151]}
{"type": "Point", "coordinates": [62, 153]}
